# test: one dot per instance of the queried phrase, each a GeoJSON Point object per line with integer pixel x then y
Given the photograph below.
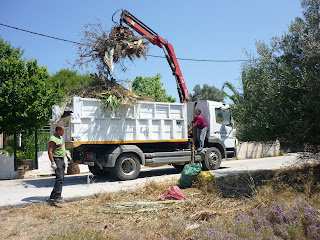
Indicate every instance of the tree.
{"type": "Point", "coordinates": [25, 100]}
{"type": "Point", "coordinates": [236, 96]}
{"type": "Point", "coordinates": [206, 93]}
{"type": "Point", "coordinates": [280, 98]}
{"type": "Point", "coordinates": [67, 80]}
{"type": "Point", "coordinates": [151, 87]}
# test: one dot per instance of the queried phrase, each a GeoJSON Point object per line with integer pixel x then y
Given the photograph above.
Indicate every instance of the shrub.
{"type": "Point", "coordinates": [277, 221]}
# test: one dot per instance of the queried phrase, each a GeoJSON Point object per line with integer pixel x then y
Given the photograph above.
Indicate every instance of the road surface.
{"type": "Point", "coordinates": [27, 191]}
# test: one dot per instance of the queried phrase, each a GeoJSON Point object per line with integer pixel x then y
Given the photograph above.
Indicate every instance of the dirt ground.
{"type": "Point", "coordinates": [137, 214]}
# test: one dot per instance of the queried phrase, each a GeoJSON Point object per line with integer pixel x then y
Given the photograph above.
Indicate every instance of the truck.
{"type": "Point", "coordinates": [145, 133]}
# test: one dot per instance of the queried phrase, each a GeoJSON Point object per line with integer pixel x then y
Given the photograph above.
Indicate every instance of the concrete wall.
{"type": "Point", "coordinates": [7, 167]}
{"type": "Point", "coordinates": [44, 167]}
{"type": "Point", "coordinates": [246, 150]}
{"type": "Point", "coordinates": [1, 140]}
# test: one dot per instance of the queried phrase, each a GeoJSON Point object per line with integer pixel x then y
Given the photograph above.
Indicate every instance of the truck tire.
{"type": "Point", "coordinates": [212, 159]}
{"type": "Point", "coordinates": [96, 170]}
{"type": "Point", "coordinates": [127, 167]}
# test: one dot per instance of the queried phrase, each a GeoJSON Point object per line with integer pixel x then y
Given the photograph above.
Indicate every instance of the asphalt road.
{"type": "Point", "coordinates": [28, 191]}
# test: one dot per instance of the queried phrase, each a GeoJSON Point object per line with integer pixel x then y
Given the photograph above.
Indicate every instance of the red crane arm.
{"type": "Point", "coordinates": [155, 39]}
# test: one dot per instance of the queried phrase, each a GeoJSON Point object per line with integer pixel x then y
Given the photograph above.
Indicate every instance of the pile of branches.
{"type": "Point", "coordinates": [113, 96]}
{"type": "Point", "coordinates": [105, 49]}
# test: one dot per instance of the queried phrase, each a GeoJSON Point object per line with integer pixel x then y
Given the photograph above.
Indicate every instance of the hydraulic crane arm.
{"type": "Point", "coordinates": [155, 39]}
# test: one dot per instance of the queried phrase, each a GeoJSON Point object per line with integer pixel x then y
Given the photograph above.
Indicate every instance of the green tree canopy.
{"type": "Point", "coordinates": [25, 99]}
{"type": "Point", "coordinates": [206, 93]}
{"type": "Point", "coordinates": [151, 87]}
{"type": "Point", "coordinates": [281, 88]}
{"type": "Point", "coordinates": [67, 80]}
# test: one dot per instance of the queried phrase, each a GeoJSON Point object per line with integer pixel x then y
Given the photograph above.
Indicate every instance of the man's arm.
{"type": "Point", "coordinates": [194, 108]}
{"type": "Point", "coordinates": [192, 126]}
{"type": "Point", "coordinates": [50, 149]}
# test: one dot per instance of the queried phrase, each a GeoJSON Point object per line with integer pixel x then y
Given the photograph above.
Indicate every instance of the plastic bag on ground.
{"type": "Point", "coordinates": [205, 176]}
{"type": "Point", "coordinates": [173, 192]}
{"type": "Point", "coordinates": [189, 175]}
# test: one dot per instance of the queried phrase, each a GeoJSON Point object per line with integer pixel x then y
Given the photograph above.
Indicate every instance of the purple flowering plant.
{"type": "Point", "coordinates": [277, 221]}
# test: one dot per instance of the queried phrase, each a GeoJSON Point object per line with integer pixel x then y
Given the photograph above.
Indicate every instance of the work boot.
{"type": "Point", "coordinates": [59, 200]}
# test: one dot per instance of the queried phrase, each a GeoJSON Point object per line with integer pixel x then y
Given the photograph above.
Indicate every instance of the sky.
{"type": "Point", "coordinates": [203, 30]}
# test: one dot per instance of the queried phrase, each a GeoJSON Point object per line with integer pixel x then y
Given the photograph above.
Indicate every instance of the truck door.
{"type": "Point", "coordinates": [223, 127]}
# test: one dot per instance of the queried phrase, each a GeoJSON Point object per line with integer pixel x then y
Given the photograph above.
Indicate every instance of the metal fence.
{"type": "Point", "coordinates": [43, 138]}
{"type": "Point", "coordinates": [25, 146]}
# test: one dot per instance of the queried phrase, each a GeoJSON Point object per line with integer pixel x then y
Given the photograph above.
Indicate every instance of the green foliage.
{"type": "Point", "coordinates": [67, 80]}
{"type": "Point", "coordinates": [280, 98]}
{"type": "Point", "coordinates": [151, 87]}
{"type": "Point", "coordinates": [236, 97]}
{"type": "Point", "coordinates": [110, 101]}
{"type": "Point", "coordinates": [25, 100]}
{"type": "Point", "coordinates": [9, 149]}
{"type": "Point", "coordinates": [27, 149]}
{"type": "Point", "coordinates": [206, 93]}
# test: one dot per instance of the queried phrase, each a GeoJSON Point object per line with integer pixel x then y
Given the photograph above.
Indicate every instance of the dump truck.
{"type": "Point", "coordinates": [145, 133]}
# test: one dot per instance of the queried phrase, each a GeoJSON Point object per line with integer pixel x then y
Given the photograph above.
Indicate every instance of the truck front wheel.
{"type": "Point", "coordinates": [127, 167]}
{"type": "Point", "coordinates": [212, 159]}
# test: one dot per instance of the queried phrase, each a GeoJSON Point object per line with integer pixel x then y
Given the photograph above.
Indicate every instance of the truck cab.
{"type": "Point", "coordinates": [221, 131]}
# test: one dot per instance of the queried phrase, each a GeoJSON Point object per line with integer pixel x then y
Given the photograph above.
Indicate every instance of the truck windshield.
{"type": "Point", "coordinates": [223, 116]}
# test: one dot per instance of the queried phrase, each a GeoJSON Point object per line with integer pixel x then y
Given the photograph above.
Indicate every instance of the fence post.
{"type": "Point", "coordinates": [36, 148]}
{"type": "Point", "coordinates": [15, 162]}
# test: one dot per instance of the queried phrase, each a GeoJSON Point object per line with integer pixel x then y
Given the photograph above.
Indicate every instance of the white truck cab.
{"type": "Point", "coordinates": [220, 124]}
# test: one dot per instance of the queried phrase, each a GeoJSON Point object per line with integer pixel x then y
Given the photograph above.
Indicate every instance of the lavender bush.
{"type": "Point", "coordinates": [126, 236]}
{"type": "Point", "coordinates": [276, 221]}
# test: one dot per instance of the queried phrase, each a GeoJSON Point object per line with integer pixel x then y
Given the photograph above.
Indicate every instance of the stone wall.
{"type": "Point", "coordinates": [247, 150]}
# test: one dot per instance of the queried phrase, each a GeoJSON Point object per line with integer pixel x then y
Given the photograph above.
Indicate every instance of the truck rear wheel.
{"type": "Point", "coordinates": [127, 167]}
{"type": "Point", "coordinates": [212, 159]}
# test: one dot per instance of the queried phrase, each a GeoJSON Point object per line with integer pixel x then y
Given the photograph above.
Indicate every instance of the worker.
{"type": "Point", "coordinates": [57, 152]}
{"type": "Point", "coordinates": [199, 122]}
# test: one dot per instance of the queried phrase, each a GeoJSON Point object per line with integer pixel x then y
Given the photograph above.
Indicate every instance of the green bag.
{"type": "Point", "coordinates": [189, 175]}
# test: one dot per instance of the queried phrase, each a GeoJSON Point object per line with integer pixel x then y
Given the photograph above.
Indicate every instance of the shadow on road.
{"type": "Point", "coordinates": [88, 178]}
{"type": "Point", "coordinates": [35, 199]}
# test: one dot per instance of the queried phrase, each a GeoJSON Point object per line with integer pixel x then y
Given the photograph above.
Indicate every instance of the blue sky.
{"type": "Point", "coordinates": [215, 30]}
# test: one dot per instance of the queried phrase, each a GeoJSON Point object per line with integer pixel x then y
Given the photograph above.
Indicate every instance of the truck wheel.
{"type": "Point", "coordinates": [127, 167]}
{"type": "Point", "coordinates": [212, 159]}
{"type": "Point", "coordinates": [96, 170]}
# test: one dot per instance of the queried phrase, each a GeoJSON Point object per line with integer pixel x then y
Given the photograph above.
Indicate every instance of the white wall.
{"type": "Point", "coordinates": [1, 140]}
{"type": "Point", "coordinates": [7, 167]}
{"type": "Point", "coordinates": [246, 150]}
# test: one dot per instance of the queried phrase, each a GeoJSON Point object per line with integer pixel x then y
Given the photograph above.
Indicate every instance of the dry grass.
{"type": "Point", "coordinates": [136, 214]}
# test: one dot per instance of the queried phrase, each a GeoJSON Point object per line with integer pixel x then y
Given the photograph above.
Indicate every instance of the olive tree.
{"type": "Point", "coordinates": [280, 88]}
